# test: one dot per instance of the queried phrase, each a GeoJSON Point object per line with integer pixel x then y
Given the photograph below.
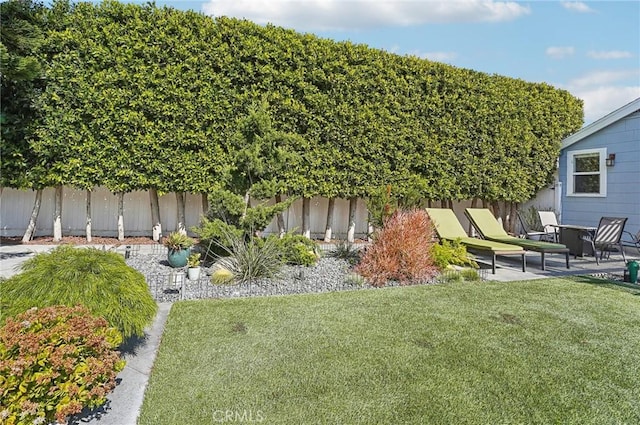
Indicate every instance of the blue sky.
{"type": "Point", "coordinates": [591, 48]}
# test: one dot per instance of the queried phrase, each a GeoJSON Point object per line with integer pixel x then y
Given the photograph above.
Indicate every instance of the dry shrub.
{"type": "Point", "coordinates": [400, 251]}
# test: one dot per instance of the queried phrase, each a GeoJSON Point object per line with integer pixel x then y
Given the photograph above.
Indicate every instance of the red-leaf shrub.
{"type": "Point", "coordinates": [53, 362]}
{"type": "Point", "coordinates": [400, 251]}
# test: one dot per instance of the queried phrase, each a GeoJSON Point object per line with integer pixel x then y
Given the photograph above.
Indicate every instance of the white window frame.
{"type": "Point", "coordinates": [602, 152]}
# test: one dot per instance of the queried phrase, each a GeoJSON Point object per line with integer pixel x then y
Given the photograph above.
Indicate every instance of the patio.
{"type": "Point", "coordinates": [508, 269]}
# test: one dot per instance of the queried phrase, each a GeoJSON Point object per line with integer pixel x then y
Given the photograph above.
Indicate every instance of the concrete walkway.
{"type": "Point", "coordinates": [124, 403]}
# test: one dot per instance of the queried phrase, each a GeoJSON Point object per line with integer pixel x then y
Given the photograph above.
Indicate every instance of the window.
{"type": "Point", "coordinates": [586, 173]}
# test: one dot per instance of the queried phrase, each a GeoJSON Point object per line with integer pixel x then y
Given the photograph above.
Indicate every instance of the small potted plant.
{"type": "Point", "coordinates": [179, 246]}
{"type": "Point", "coordinates": [193, 266]}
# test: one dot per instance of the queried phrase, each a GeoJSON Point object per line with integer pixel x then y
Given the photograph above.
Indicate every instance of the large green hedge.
{"type": "Point", "coordinates": [140, 97]}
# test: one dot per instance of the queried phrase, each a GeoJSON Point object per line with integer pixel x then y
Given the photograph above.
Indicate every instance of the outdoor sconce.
{"type": "Point", "coordinates": [611, 160]}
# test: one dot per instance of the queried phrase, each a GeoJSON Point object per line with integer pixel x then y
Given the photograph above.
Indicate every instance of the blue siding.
{"type": "Point", "coordinates": [623, 179]}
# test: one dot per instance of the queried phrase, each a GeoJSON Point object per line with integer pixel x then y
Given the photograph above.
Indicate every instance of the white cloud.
{"type": "Point", "coordinates": [447, 57]}
{"type": "Point", "coordinates": [605, 91]}
{"type": "Point", "coordinates": [601, 101]}
{"type": "Point", "coordinates": [611, 54]}
{"type": "Point", "coordinates": [577, 6]}
{"type": "Point", "coordinates": [599, 78]}
{"type": "Point", "coordinates": [314, 15]}
{"type": "Point", "coordinates": [558, 52]}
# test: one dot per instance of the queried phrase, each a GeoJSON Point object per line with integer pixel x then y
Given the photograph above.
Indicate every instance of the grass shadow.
{"type": "Point", "coordinates": [631, 288]}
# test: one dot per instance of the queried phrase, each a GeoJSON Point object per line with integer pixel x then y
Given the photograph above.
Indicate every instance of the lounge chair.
{"type": "Point", "coordinates": [448, 228]}
{"type": "Point", "coordinates": [608, 235]}
{"type": "Point", "coordinates": [549, 223]}
{"type": "Point", "coordinates": [488, 227]}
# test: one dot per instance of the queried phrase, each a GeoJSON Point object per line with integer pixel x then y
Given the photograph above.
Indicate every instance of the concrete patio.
{"type": "Point", "coordinates": [508, 269]}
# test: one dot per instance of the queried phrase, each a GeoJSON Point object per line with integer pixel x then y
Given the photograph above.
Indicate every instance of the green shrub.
{"type": "Point", "coordinates": [297, 250]}
{"type": "Point", "coordinates": [400, 251]}
{"type": "Point", "coordinates": [215, 237]}
{"type": "Point", "coordinates": [251, 259]}
{"type": "Point", "coordinates": [177, 241]}
{"type": "Point", "coordinates": [55, 361]}
{"type": "Point", "coordinates": [470, 275]}
{"type": "Point", "coordinates": [451, 254]}
{"type": "Point", "coordinates": [99, 280]}
{"type": "Point", "coordinates": [346, 251]}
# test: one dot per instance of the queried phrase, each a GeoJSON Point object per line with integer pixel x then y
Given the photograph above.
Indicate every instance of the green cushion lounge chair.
{"type": "Point", "coordinates": [490, 229]}
{"type": "Point", "coordinates": [449, 228]}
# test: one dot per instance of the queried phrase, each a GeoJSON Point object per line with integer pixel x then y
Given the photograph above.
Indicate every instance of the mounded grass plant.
{"type": "Point", "coordinates": [99, 280]}
{"type": "Point", "coordinates": [248, 260]}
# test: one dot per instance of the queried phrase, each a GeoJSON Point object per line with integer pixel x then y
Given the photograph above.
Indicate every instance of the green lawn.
{"type": "Point", "coordinates": [546, 351]}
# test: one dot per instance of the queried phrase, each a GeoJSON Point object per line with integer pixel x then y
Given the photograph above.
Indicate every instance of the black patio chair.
{"type": "Point", "coordinates": [528, 232]}
{"type": "Point", "coordinates": [631, 240]}
{"type": "Point", "coordinates": [608, 236]}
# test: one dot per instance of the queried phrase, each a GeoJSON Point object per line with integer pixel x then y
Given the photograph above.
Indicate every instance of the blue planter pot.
{"type": "Point", "coordinates": [178, 258]}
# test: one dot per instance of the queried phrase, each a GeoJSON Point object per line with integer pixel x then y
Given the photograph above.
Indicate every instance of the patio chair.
{"type": "Point", "coordinates": [448, 228]}
{"type": "Point", "coordinates": [549, 223]}
{"type": "Point", "coordinates": [489, 228]}
{"type": "Point", "coordinates": [528, 233]}
{"type": "Point", "coordinates": [631, 240]}
{"type": "Point", "coordinates": [607, 237]}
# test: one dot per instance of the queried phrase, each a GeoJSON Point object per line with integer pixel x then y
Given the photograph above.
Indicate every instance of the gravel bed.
{"type": "Point", "coordinates": [169, 284]}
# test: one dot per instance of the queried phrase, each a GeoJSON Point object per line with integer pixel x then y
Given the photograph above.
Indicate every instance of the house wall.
{"type": "Point", "coordinates": [623, 179]}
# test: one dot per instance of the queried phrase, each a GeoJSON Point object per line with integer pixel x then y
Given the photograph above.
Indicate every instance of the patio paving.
{"type": "Point", "coordinates": [507, 269]}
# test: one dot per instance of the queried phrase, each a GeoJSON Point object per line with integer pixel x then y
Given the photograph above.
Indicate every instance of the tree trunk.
{"type": "Point", "coordinates": [57, 215]}
{"type": "Point", "coordinates": [351, 232]}
{"type": "Point", "coordinates": [181, 226]}
{"type": "Point", "coordinates": [306, 221]}
{"type": "Point", "coordinates": [328, 230]}
{"type": "Point", "coordinates": [443, 203]}
{"type": "Point", "coordinates": [28, 234]}
{"type": "Point", "coordinates": [370, 229]}
{"type": "Point", "coordinates": [120, 216]}
{"type": "Point", "coordinates": [205, 204]}
{"type": "Point", "coordinates": [512, 217]}
{"type": "Point", "coordinates": [247, 201]}
{"type": "Point", "coordinates": [450, 204]}
{"type": "Point", "coordinates": [504, 214]}
{"type": "Point", "coordinates": [429, 204]}
{"type": "Point", "coordinates": [495, 209]}
{"type": "Point", "coordinates": [156, 223]}
{"type": "Point", "coordinates": [280, 219]}
{"type": "Point", "coordinates": [88, 215]}
{"type": "Point", "coordinates": [474, 203]}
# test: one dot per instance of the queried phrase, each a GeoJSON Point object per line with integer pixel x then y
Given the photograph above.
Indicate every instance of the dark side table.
{"type": "Point", "coordinates": [571, 236]}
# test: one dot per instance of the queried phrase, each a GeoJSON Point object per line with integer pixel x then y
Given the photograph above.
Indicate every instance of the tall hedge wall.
{"type": "Point", "coordinates": [140, 97]}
